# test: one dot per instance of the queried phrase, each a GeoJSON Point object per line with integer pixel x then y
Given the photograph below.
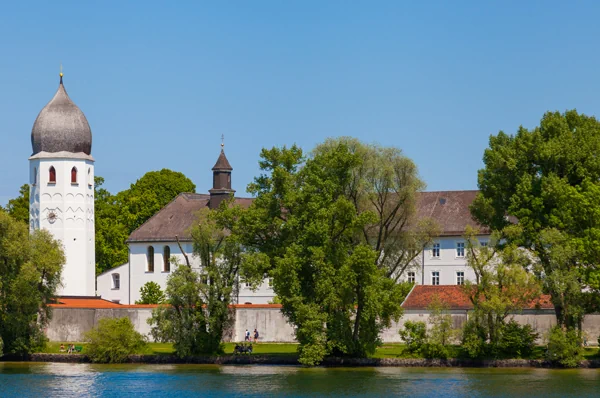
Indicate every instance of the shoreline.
{"type": "Point", "coordinates": [259, 359]}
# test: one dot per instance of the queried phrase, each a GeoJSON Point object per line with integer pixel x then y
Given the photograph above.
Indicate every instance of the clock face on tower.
{"type": "Point", "coordinates": [51, 216]}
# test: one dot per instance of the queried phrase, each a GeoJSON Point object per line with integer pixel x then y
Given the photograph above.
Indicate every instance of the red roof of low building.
{"type": "Point", "coordinates": [84, 302]}
{"type": "Point", "coordinates": [455, 298]}
{"type": "Point", "coordinates": [100, 303]}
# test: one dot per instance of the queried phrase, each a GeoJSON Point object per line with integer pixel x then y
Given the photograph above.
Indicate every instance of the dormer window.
{"type": "Point", "coordinates": [74, 175]}
{"type": "Point", "coordinates": [52, 175]}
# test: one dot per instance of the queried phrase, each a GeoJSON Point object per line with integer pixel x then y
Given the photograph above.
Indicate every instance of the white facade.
{"type": "Point", "coordinates": [140, 270]}
{"type": "Point", "coordinates": [443, 263]}
{"type": "Point", "coordinates": [62, 202]}
{"type": "Point", "coordinates": [114, 284]}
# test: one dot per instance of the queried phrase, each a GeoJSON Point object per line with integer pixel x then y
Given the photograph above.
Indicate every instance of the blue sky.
{"type": "Point", "coordinates": [161, 81]}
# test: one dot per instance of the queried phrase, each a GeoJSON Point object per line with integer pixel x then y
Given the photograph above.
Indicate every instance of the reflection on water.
{"type": "Point", "coordinates": [83, 380]}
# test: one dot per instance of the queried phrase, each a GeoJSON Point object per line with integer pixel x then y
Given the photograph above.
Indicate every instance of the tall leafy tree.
{"type": "Point", "coordinates": [118, 215]}
{"type": "Point", "coordinates": [30, 269]}
{"type": "Point", "coordinates": [149, 194]}
{"type": "Point", "coordinates": [18, 207]}
{"type": "Point", "coordinates": [336, 232]}
{"type": "Point", "coordinates": [502, 286]}
{"type": "Point", "coordinates": [111, 233]}
{"type": "Point", "coordinates": [197, 313]}
{"type": "Point", "coordinates": [547, 181]}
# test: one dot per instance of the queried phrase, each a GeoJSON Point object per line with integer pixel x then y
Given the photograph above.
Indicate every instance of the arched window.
{"type": "Point", "coordinates": [116, 279]}
{"type": "Point", "coordinates": [150, 259]}
{"type": "Point", "coordinates": [74, 175]}
{"type": "Point", "coordinates": [166, 259]}
{"type": "Point", "coordinates": [52, 175]}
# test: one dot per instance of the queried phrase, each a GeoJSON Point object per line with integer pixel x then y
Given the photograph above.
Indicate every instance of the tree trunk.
{"type": "Point", "coordinates": [358, 315]}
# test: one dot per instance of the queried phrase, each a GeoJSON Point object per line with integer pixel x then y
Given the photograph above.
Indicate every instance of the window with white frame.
{"type": "Point", "coordinates": [270, 282]}
{"type": "Point", "coordinates": [483, 243]}
{"type": "Point", "coordinates": [435, 277]}
{"type": "Point", "coordinates": [116, 281]}
{"type": "Point", "coordinates": [460, 277]}
{"type": "Point", "coordinates": [460, 249]}
{"type": "Point", "coordinates": [411, 277]}
{"type": "Point", "coordinates": [435, 250]}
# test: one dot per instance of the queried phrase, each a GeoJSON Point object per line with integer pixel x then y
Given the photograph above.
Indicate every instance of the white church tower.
{"type": "Point", "coordinates": [61, 173]}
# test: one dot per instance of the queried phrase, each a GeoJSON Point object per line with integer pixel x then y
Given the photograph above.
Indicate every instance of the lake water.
{"type": "Point", "coordinates": [84, 380]}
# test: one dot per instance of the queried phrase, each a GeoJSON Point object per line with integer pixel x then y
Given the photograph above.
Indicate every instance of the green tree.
{"type": "Point", "coordinates": [113, 340]}
{"type": "Point", "coordinates": [117, 216]}
{"type": "Point", "coordinates": [151, 294]}
{"type": "Point", "coordinates": [111, 233]}
{"type": "Point", "coordinates": [18, 207]}
{"type": "Point", "coordinates": [564, 347]}
{"type": "Point", "coordinates": [503, 284]}
{"type": "Point", "coordinates": [548, 178]}
{"type": "Point", "coordinates": [30, 269]}
{"type": "Point", "coordinates": [335, 228]}
{"type": "Point", "coordinates": [197, 313]}
{"type": "Point", "coordinates": [149, 194]}
{"type": "Point", "coordinates": [414, 335]}
{"type": "Point", "coordinates": [441, 331]}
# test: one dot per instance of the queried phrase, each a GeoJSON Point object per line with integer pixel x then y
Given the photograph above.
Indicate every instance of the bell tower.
{"type": "Point", "coordinates": [221, 189]}
{"type": "Point", "coordinates": [61, 170]}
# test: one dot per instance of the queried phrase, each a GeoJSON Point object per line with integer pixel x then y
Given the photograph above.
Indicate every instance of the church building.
{"type": "Point", "coordinates": [62, 202]}
{"type": "Point", "coordinates": [154, 244]}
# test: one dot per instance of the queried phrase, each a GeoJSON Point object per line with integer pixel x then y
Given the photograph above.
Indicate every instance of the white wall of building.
{"type": "Point", "coordinates": [66, 209]}
{"type": "Point", "coordinates": [448, 264]}
{"type": "Point", "coordinates": [113, 284]}
{"type": "Point", "coordinates": [139, 273]}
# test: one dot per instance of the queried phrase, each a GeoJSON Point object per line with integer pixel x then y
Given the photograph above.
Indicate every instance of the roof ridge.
{"type": "Point", "coordinates": [453, 190]}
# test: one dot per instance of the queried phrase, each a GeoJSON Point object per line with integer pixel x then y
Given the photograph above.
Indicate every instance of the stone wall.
{"type": "Point", "coordinates": [70, 324]}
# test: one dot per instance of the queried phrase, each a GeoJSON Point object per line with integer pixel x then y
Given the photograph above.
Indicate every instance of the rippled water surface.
{"type": "Point", "coordinates": [83, 380]}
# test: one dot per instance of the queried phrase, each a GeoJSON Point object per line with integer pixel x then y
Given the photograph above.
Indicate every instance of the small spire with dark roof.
{"type": "Point", "coordinates": [221, 189]}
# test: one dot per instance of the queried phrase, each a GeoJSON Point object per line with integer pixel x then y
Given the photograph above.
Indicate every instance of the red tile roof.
{"type": "Point", "coordinates": [455, 297]}
{"type": "Point", "coordinates": [100, 303]}
{"type": "Point", "coordinates": [84, 302]}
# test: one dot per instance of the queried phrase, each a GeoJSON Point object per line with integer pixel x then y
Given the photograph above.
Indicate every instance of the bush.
{"type": "Point", "coordinates": [517, 341]}
{"type": "Point", "coordinates": [150, 293]}
{"type": "Point", "coordinates": [113, 340]}
{"type": "Point", "coordinates": [564, 348]}
{"type": "Point", "coordinates": [473, 339]}
{"type": "Point", "coordinates": [441, 332]}
{"type": "Point", "coordinates": [414, 335]}
{"type": "Point", "coordinates": [434, 350]}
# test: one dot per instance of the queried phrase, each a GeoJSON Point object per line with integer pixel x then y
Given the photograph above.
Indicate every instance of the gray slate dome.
{"type": "Point", "coordinates": [61, 126]}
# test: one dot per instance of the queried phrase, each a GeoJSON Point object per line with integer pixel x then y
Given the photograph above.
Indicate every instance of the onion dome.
{"type": "Point", "coordinates": [61, 126]}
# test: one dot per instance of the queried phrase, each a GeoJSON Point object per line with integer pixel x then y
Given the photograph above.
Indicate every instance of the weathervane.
{"type": "Point", "coordinates": [61, 73]}
{"type": "Point", "coordinates": [222, 140]}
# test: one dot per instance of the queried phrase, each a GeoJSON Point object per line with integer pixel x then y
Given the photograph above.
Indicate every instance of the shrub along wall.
{"type": "Point", "coordinates": [70, 324]}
